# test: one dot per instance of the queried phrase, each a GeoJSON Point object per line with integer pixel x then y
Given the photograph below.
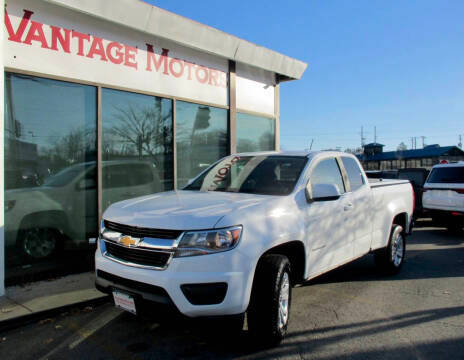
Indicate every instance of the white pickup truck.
{"type": "Point", "coordinates": [246, 230]}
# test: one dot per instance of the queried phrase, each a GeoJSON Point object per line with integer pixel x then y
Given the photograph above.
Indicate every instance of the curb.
{"type": "Point", "coordinates": [22, 320]}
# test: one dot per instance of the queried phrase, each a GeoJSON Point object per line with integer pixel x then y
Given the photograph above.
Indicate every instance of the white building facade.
{"type": "Point", "coordinates": [108, 100]}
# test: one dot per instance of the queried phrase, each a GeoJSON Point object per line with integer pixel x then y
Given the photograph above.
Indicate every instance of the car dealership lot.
{"type": "Point", "coordinates": [353, 312]}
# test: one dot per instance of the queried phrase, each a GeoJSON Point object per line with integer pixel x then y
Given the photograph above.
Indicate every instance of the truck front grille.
{"type": "Point", "coordinates": [140, 232]}
{"type": "Point", "coordinates": [134, 256]}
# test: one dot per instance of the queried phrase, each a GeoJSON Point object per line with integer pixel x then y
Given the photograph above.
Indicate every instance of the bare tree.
{"type": "Point", "coordinates": [145, 129]}
{"type": "Point", "coordinates": [402, 147]}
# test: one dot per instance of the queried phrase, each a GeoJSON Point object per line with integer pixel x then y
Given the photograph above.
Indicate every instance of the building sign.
{"type": "Point", "coordinates": [57, 41]}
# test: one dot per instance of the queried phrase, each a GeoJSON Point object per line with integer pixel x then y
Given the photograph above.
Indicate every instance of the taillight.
{"type": "Point", "coordinates": [459, 191]}
{"type": "Point", "coordinates": [455, 213]}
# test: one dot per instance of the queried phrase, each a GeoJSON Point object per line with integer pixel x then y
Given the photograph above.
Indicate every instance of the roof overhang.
{"type": "Point", "coordinates": [141, 16]}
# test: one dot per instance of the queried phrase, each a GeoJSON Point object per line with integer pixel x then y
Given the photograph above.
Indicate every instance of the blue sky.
{"type": "Point", "coordinates": [397, 65]}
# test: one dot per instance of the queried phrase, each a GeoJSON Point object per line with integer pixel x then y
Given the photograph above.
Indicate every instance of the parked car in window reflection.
{"type": "Point", "coordinates": [40, 219]}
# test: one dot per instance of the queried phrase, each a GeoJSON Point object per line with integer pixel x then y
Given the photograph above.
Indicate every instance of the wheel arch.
{"type": "Point", "coordinates": [402, 220]}
{"type": "Point", "coordinates": [53, 218]}
{"type": "Point", "coordinates": [296, 254]}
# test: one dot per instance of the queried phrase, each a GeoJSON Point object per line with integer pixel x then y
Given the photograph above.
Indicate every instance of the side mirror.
{"type": "Point", "coordinates": [86, 184]}
{"type": "Point", "coordinates": [322, 192]}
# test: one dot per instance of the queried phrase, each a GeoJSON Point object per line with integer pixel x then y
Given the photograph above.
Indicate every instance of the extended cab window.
{"type": "Point", "coordinates": [328, 172]}
{"type": "Point", "coordinates": [354, 173]}
{"type": "Point", "coordinates": [264, 174]}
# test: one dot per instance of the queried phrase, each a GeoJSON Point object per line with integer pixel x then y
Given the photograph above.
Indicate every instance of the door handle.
{"type": "Point", "coordinates": [348, 207]}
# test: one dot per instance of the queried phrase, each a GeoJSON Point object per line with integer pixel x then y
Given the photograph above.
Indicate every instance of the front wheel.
{"type": "Point", "coordinates": [38, 243]}
{"type": "Point", "coordinates": [271, 295]}
{"type": "Point", "coordinates": [391, 258]}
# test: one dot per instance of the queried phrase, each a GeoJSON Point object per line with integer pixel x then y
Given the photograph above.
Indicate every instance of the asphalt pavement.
{"type": "Point", "coordinates": [353, 312]}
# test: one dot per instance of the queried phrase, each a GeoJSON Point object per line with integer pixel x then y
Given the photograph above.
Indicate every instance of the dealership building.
{"type": "Point", "coordinates": [107, 100]}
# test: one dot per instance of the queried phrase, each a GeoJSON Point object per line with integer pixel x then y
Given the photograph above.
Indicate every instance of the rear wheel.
{"type": "Point", "coordinates": [269, 309]}
{"type": "Point", "coordinates": [391, 258]}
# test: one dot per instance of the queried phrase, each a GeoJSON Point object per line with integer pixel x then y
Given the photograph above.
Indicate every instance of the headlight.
{"type": "Point", "coordinates": [205, 242]}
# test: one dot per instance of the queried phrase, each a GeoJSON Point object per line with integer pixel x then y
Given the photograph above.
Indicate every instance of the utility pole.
{"type": "Point", "coordinates": [412, 142]}
{"type": "Point", "coordinates": [362, 137]}
{"type": "Point", "coordinates": [375, 134]}
{"type": "Point", "coordinates": [423, 138]}
{"type": "Point", "coordinates": [460, 141]}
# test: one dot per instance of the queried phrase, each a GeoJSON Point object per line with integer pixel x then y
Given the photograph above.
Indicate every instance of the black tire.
{"type": "Point", "coordinates": [266, 322]}
{"type": "Point", "coordinates": [391, 259]}
{"type": "Point", "coordinates": [38, 243]}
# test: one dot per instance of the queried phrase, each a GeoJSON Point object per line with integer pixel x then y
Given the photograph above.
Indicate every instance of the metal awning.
{"type": "Point", "coordinates": [152, 20]}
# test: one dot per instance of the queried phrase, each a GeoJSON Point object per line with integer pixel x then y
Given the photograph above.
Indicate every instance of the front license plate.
{"type": "Point", "coordinates": [124, 301]}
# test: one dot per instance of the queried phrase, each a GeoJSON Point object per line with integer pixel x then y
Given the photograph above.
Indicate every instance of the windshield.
{"type": "Point", "coordinates": [65, 176]}
{"type": "Point", "coordinates": [265, 174]}
{"type": "Point", "coordinates": [450, 175]}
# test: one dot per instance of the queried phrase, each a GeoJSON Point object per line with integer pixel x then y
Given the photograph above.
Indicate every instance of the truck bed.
{"type": "Point", "coordinates": [375, 183]}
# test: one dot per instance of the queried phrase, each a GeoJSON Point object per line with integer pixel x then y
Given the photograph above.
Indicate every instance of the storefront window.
{"type": "Point", "coordinates": [136, 145]}
{"type": "Point", "coordinates": [201, 138]}
{"type": "Point", "coordinates": [50, 172]}
{"type": "Point", "coordinates": [255, 133]}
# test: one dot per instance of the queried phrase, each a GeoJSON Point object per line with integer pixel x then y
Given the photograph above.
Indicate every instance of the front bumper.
{"type": "Point", "coordinates": [232, 268]}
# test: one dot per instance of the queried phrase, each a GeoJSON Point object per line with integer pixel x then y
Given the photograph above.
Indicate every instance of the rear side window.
{"type": "Point", "coordinates": [354, 173]}
{"type": "Point", "coordinates": [328, 172]}
{"type": "Point", "coordinates": [127, 175]}
{"type": "Point", "coordinates": [141, 174]}
{"type": "Point", "coordinates": [449, 175]}
{"type": "Point", "coordinates": [116, 176]}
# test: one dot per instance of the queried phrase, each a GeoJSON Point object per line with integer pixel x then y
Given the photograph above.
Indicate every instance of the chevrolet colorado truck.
{"type": "Point", "coordinates": [247, 229]}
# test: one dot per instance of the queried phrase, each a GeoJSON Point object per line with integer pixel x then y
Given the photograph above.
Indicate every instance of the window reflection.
{"type": "Point", "coordinates": [136, 145]}
{"type": "Point", "coordinates": [201, 136]}
{"type": "Point", "coordinates": [255, 133]}
{"type": "Point", "coordinates": [50, 177]}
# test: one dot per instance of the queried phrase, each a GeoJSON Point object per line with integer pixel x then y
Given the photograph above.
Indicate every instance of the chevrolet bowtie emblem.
{"type": "Point", "coordinates": [127, 240]}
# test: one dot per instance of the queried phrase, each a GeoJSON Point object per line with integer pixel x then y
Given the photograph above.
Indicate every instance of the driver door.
{"type": "Point", "coordinates": [328, 242]}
